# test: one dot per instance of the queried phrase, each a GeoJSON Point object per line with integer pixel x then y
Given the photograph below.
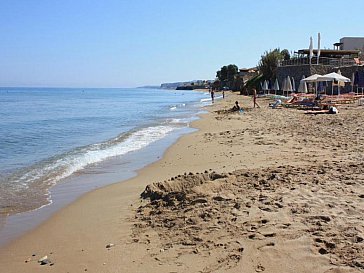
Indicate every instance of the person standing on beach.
{"type": "Point", "coordinates": [255, 98]}
{"type": "Point", "coordinates": [212, 95]}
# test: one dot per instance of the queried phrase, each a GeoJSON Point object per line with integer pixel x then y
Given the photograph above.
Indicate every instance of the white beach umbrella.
{"type": "Point", "coordinates": [265, 86]}
{"type": "Point", "coordinates": [284, 85]}
{"type": "Point", "coordinates": [311, 49]}
{"type": "Point", "coordinates": [302, 88]}
{"type": "Point", "coordinates": [331, 77]}
{"type": "Point", "coordinates": [318, 47]}
{"type": "Point", "coordinates": [276, 86]}
{"type": "Point", "coordinates": [293, 84]}
{"type": "Point", "coordinates": [352, 82]}
{"type": "Point", "coordinates": [312, 78]}
{"type": "Point", "coordinates": [289, 85]}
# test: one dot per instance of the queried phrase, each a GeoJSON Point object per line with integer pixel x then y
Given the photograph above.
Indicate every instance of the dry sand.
{"type": "Point", "coordinates": [266, 190]}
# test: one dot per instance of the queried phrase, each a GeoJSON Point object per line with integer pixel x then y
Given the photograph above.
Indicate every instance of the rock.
{"type": "Point", "coordinates": [237, 206]}
{"type": "Point", "coordinates": [330, 245]}
{"type": "Point", "coordinates": [221, 198]}
{"type": "Point", "coordinates": [44, 260]}
{"type": "Point", "coordinates": [199, 201]}
{"type": "Point", "coordinates": [325, 218]}
{"type": "Point", "coordinates": [110, 245]}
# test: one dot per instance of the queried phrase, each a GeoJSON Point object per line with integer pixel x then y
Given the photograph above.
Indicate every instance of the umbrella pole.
{"type": "Point", "coordinates": [338, 89]}
{"type": "Point", "coordinates": [316, 89]}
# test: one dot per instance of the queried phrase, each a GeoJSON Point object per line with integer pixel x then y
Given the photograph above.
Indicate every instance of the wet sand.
{"type": "Point", "coordinates": [266, 190]}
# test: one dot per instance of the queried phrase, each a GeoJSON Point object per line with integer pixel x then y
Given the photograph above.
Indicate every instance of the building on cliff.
{"type": "Point", "coordinates": [343, 58]}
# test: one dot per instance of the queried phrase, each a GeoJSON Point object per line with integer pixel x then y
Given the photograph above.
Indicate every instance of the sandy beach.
{"type": "Point", "coordinates": [266, 190]}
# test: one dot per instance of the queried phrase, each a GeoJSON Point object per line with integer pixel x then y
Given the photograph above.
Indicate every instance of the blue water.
{"type": "Point", "coordinates": [49, 134]}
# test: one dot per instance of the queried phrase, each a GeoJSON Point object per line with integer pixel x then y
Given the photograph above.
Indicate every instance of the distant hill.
{"type": "Point", "coordinates": [175, 85]}
{"type": "Point", "coordinates": [150, 86]}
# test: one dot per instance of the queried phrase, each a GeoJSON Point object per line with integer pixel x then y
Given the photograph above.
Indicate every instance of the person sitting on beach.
{"type": "Point", "coordinates": [236, 107]}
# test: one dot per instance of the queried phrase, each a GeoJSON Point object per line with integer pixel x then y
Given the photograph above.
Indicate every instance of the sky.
{"type": "Point", "coordinates": [129, 43]}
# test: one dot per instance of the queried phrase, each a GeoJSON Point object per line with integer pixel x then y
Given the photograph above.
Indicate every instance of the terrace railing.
{"type": "Point", "coordinates": [332, 62]}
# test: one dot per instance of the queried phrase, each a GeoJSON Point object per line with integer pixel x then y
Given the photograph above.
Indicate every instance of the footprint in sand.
{"type": "Point", "coordinates": [260, 268]}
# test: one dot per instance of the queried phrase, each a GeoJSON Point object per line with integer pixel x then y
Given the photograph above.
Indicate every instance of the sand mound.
{"type": "Point", "coordinates": [178, 188]}
{"type": "Point", "coordinates": [272, 211]}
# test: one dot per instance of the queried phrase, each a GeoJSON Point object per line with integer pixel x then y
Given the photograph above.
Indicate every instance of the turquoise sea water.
{"type": "Point", "coordinates": [50, 134]}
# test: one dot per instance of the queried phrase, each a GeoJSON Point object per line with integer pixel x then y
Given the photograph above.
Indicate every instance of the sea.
{"type": "Point", "coordinates": [58, 143]}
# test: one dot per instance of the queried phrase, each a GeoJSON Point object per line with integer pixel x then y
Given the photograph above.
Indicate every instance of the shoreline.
{"type": "Point", "coordinates": [111, 172]}
{"type": "Point", "coordinates": [75, 238]}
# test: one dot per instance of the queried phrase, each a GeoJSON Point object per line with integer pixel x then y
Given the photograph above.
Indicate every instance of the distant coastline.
{"type": "Point", "coordinates": [188, 85]}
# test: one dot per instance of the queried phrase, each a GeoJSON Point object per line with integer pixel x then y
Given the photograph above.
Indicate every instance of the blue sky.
{"type": "Point", "coordinates": [88, 43]}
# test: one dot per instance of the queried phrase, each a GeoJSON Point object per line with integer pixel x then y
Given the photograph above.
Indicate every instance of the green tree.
{"type": "Point", "coordinates": [285, 54]}
{"type": "Point", "coordinates": [269, 62]}
{"type": "Point", "coordinates": [227, 75]}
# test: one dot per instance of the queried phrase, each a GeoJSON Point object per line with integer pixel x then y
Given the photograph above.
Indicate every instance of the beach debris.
{"type": "Point", "coordinates": [28, 260]}
{"type": "Point", "coordinates": [44, 260]}
{"type": "Point", "coordinates": [110, 245]}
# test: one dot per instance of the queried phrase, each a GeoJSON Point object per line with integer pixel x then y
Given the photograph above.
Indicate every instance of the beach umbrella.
{"type": "Point", "coordinates": [352, 82]}
{"type": "Point", "coordinates": [269, 85]}
{"type": "Point", "coordinates": [302, 88]}
{"type": "Point", "coordinates": [265, 86]}
{"type": "Point", "coordinates": [312, 78]}
{"type": "Point", "coordinates": [276, 86]}
{"type": "Point", "coordinates": [293, 84]}
{"type": "Point", "coordinates": [311, 49]}
{"type": "Point", "coordinates": [331, 77]}
{"type": "Point", "coordinates": [284, 85]}
{"type": "Point", "coordinates": [318, 47]}
{"type": "Point", "coordinates": [289, 85]}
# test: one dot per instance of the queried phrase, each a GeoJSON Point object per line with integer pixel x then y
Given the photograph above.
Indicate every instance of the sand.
{"type": "Point", "coordinates": [270, 190]}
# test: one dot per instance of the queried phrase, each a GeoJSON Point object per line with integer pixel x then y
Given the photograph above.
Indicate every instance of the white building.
{"type": "Point", "coordinates": [352, 43]}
